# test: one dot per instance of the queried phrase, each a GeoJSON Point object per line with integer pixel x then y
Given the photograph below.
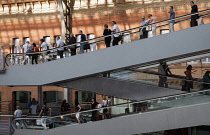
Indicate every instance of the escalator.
{"type": "Point", "coordinates": [165, 113]}
{"type": "Point", "coordinates": [134, 84]}
{"type": "Point", "coordinates": [176, 45]}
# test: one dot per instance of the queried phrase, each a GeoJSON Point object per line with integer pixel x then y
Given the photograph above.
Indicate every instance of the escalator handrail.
{"type": "Point", "coordinates": [133, 102]}
{"type": "Point", "coordinates": [171, 76]}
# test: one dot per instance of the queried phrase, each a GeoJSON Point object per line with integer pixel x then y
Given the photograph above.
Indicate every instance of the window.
{"type": "Point", "coordinates": [22, 96]}
{"type": "Point", "coordinates": [20, 7]}
{"type": "Point", "coordinates": [15, 42]}
{"type": "Point", "coordinates": [25, 39]}
{"type": "Point", "coordinates": [205, 60]}
{"type": "Point", "coordinates": [53, 96]}
{"type": "Point", "coordinates": [47, 39]}
{"type": "Point", "coordinates": [192, 62]}
{"type": "Point", "coordinates": [6, 8]}
{"type": "Point", "coordinates": [164, 31]}
{"type": "Point", "coordinates": [14, 9]}
{"type": "Point", "coordinates": [84, 96]}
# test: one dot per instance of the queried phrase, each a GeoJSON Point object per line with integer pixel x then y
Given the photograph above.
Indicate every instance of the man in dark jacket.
{"type": "Point", "coordinates": [194, 17]}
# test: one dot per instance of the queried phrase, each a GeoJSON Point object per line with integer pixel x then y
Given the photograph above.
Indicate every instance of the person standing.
{"type": "Point", "coordinates": [26, 47]}
{"type": "Point", "coordinates": [144, 31]}
{"type": "Point", "coordinates": [78, 108]}
{"type": "Point", "coordinates": [72, 48]}
{"type": "Point", "coordinates": [172, 16]}
{"type": "Point", "coordinates": [60, 43]}
{"type": "Point", "coordinates": [152, 21]}
{"type": "Point", "coordinates": [194, 17]}
{"type": "Point", "coordinates": [200, 21]}
{"type": "Point", "coordinates": [93, 106]}
{"type": "Point", "coordinates": [33, 108]}
{"type": "Point", "coordinates": [83, 38]}
{"type": "Point", "coordinates": [108, 39]}
{"type": "Point", "coordinates": [44, 47]}
{"type": "Point", "coordinates": [35, 56]}
{"type": "Point", "coordinates": [206, 79]}
{"type": "Point", "coordinates": [188, 73]}
{"type": "Point", "coordinates": [18, 114]}
{"type": "Point", "coordinates": [163, 70]}
{"type": "Point", "coordinates": [116, 35]}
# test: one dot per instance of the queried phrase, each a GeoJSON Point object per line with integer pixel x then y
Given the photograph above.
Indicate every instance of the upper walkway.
{"type": "Point", "coordinates": [176, 45]}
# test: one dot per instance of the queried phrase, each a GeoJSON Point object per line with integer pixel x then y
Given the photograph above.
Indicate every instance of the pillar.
{"type": "Point", "coordinates": [40, 95]}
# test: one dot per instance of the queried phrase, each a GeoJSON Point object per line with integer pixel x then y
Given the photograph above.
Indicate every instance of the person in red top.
{"type": "Point", "coordinates": [35, 56]}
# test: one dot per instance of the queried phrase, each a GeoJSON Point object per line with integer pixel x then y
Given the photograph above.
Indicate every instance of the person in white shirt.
{"type": "Point", "coordinates": [44, 47]}
{"type": "Point", "coordinates": [200, 21]}
{"type": "Point", "coordinates": [18, 114]}
{"type": "Point", "coordinates": [60, 43]}
{"type": "Point", "coordinates": [33, 108]}
{"type": "Point", "coordinates": [116, 36]}
{"type": "Point", "coordinates": [26, 47]}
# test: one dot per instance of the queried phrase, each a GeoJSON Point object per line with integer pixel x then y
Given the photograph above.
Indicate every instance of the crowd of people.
{"type": "Point", "coordinates": [148, 29]}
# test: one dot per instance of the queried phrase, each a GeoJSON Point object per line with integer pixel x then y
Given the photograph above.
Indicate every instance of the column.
{"type": "Point", "coordinates": [67, 95]}
{"type": "Point", "coordinates": [40, 95]}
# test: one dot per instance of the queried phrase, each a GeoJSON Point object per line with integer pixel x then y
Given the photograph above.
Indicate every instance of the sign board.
{"type": "Point", "coordinates": [1, 61]}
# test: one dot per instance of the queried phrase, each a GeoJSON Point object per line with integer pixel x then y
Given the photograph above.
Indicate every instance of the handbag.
{"type": "Point", "coordinates": [149, 28]}
{"type": "Point", "coordinates": [87, 46]}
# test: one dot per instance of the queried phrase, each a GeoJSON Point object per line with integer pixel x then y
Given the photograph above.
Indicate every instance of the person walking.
{"type": "Point", "coordinates": [18, 114]}
{"type": "Point", "coordinates": [44, 114]}
{"type": "Point", "coordinates": [144, 31]}
{"type": "Point", "coordinates": [194, 9]}
{"type": "Point", "coordinates": [108, 39]}
{"type": "Point", "coordinates": [188, 75]}
{"type": "Point", "coordinates": [206, 79]}
{"type": "Point", "coordinates": [78, 108]}
{"type": "Point", "coordinates": [44, 47]}
{"type": "Point", "coordinates": [83, 38]}
{"type": "Point", "coordinates": [35, 56]}
{"type": "Point", "coordinates": [172, 16]}
{"type": "Point", "coordinates": [60, 43]}
{"type": "Point", "coordinates": [93, 106]}
{"type": "Point", "coordinates": [72, 48]}
{"type": "Point", "coordinates": [116, 35]}
{"type": "Point", "coordinates": [163, 70]}
{"type": "Point", "coordinates": [26, 49]}
{"type": "Point", "coordinates": [152, 21]}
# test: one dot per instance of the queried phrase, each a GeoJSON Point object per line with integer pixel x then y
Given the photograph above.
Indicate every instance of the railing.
{"type": "Point", "coordinates": [175, 82]}
{"type": "Point", "coordinates": [18, 58]}
{"type": "Point", "coordinates": [125, 109]}
{"type": "Point", "coordinates": [5, 125]}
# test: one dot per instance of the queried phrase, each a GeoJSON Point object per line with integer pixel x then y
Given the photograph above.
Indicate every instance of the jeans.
{"type": "Point", "coordinates": [171, 27]}
{"type": "Point", "coordinates": [82, 45]}
{"type": "Point", "coordinates": [153, 31]}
